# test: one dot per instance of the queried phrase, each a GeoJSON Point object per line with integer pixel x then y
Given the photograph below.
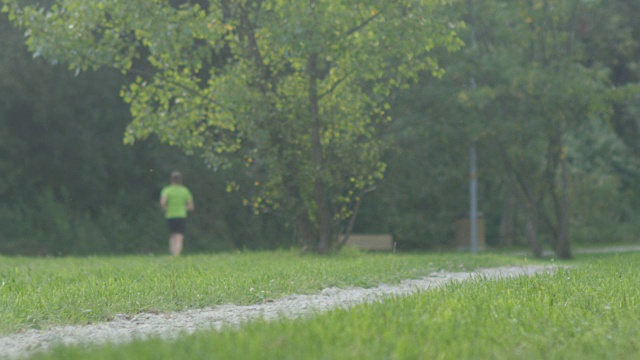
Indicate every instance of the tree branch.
{"type": "Point", "coordinates": [352, 221]}
{"type": "Point", "coordinates": [335, 85]}
{"type": "Point", "coordinates": [363, 24]}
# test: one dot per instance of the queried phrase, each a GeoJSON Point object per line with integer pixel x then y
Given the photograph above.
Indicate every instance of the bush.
{"type": "Point", "coordinates": [601, 212]}
{"type": "Point", "coordinates": [51, 226]}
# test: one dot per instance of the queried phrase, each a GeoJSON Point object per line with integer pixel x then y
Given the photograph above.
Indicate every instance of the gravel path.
{"type": "Point", "coordinates": [170, 325]}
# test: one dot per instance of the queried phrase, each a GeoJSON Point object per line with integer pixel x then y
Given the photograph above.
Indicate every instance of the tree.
{"type": "Point", "coordinates": [82, 191]}
{"type": "Point", "coordinates": [611, 34]}
{"type": "Point", "coordinates": [519, 89]}
{"type": "Point", "coordinates": [298, 91]}
{"type": "Point", "coordinates": [536, 80]}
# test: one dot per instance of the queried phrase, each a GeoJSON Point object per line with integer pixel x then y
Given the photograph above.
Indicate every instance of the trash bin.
{"type": "Point", "coordinates": [463, 232]}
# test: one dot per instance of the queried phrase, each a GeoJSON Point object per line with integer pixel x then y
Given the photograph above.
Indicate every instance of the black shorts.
{"type": "Point", "coordinates": [177, 225]}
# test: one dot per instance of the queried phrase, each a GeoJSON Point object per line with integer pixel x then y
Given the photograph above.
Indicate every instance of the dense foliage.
{"type": "Point", "coordinates": [547, 90]}
{"type": "Point", "coordinates": [69, 185]}
{"type": "Point", "coordinates": [299, 91]}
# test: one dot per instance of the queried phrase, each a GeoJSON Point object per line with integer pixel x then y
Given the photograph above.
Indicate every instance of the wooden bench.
{"type": "Point", "coordinates": [379, 242]}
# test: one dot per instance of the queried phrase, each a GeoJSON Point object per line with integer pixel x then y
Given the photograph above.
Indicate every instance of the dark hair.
{"type": "Point", "coordinates": [176, 177]}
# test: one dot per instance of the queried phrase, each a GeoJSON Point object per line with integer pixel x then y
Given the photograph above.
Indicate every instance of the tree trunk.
{"type": "Point", "coordinates": [325, 225]}
{"type": "Point", "coordinates": [507, 218]}
{"type": "Point", "coordinates": [559, 195]}
{"type": "Point", "coordinates": [563, 247]}
{"type": "Point", "coordinates": [304, 232]}
{"type": "Point", "coordinates": [320, 194]}
{"type": "Point", "coordinates": [531, 213]}
{"type": "Point", "coordinates": [532, 233]}
{"type": "Point", "coordinates": [352, 221]}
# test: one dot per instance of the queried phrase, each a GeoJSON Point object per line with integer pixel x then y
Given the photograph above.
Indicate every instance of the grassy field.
{"type": "Point", "coordinates": [37, 293]}
{"type": "Point", "coordinates": [590, 311]}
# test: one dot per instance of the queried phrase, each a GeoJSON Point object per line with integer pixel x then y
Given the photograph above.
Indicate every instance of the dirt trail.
{"type": "Point", "coordinates": [171, 325]}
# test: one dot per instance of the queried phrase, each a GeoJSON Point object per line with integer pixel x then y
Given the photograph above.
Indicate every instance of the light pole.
{"type": "Point", "coordinates": [473, 178]}
{"type": "Point", "coordinates": [473, 200]}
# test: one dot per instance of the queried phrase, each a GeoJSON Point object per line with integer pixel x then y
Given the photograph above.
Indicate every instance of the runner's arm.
{"type": "Point", "coordinates": [163, 202]}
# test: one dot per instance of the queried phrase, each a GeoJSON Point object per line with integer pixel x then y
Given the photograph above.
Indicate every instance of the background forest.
{"type": "Point", "coordinates": [546, 92]}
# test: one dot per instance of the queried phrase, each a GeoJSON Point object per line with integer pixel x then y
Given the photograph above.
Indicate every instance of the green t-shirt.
{"type": "Point", "coordinates": [178, 196]}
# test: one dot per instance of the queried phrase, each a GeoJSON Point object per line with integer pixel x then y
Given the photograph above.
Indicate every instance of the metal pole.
{"type": "Point", "coordinates": [473, 186]}
{"type": "Point", "coordinates": [473, 206]}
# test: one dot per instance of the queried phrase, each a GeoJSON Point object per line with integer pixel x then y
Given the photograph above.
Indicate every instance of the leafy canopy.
{"type": "Point", "coordinates": [299, 91]}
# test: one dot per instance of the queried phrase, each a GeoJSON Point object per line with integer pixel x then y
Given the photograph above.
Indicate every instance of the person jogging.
{"type": "Point", "coordinates": [176, 200]}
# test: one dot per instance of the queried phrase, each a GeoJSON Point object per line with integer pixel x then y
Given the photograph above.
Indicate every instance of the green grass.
{"type": "Point", "coordinates": [590, 311]}
{"type": "Point", "coordinates": [40, 292]}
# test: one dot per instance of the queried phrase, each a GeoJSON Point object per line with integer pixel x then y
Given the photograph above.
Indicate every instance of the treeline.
{"type": "Point", "coordinates": [546, 92]}
{"type": "Point", "coordinates": [69, 186]}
